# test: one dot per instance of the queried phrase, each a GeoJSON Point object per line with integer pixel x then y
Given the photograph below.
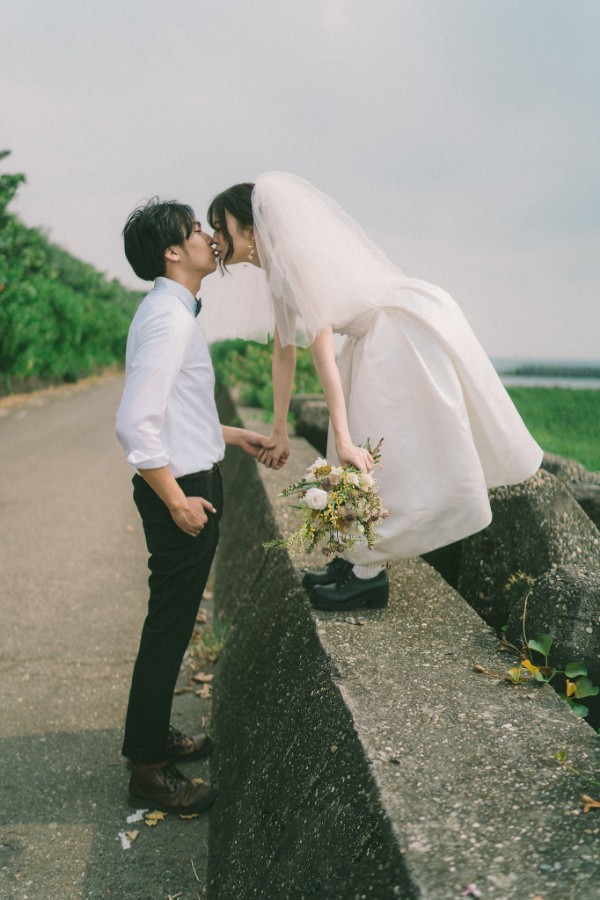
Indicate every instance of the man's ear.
{"type": "Point", "coordinates": [172, 254]}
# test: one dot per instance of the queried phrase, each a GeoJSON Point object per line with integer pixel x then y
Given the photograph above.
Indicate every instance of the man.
{"type": "Point", "coordinates": [168, 425]}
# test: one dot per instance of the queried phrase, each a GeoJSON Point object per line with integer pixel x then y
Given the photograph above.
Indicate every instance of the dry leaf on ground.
{"type": "Point", "coordinates": [589, 803]}
{"type": "Point", "coordinates": [205, 692]}
{"type": "Point", "coordinates": [153, 818]}
{"type": "Point", "coordinates": [204, 677]}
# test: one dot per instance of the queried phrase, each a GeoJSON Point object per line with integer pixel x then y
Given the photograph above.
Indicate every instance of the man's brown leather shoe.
{"type": "Point", "coordinates": [164, 787]}
{"type": "Point", "coordinates": [182, 748]}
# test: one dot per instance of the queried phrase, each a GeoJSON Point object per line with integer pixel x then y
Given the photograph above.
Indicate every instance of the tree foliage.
{"type": "Point", "coordinates": [60, 318]}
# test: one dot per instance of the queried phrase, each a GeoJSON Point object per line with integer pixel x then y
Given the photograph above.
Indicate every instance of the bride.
{"type": "Point", "coordinates": [410, 370]}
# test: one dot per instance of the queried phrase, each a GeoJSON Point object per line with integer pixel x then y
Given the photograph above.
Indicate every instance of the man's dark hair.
{"type": "Point", "coordinates": [236, 200]}
{"type": "Point", "coordinates": [150, 230]}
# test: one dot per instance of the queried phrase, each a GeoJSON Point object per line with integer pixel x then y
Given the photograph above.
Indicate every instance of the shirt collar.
{"type": "Point", "coordinates": [173, 287]}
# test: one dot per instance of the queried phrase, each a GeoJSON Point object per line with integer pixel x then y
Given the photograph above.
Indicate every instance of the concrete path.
{"type": "Point", "coordinates": [72, 601]}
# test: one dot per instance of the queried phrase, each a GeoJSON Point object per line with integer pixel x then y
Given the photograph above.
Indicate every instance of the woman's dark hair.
{"type": "Point", "coordinates": [150, 230]}
{"type": "Point", "coordinates": [236, 200]}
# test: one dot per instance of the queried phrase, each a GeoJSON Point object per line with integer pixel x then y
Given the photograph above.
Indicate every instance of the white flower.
{"type": "Point", "coordinates": [353, 478]}
{"type": "Point", "coordinates": [316, 498]}
{"type": "Point", "coordinates": [318, 464]}
{"type": "Point", "coordinates": [366, 481]}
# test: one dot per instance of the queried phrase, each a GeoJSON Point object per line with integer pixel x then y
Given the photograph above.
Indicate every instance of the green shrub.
{"type": "Point", "coordinates": [246, 365]}
{"type": "Point", "coordinates": [60, 318]}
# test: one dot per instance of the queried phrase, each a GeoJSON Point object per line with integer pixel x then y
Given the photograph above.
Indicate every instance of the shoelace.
{"type": "Point", "coordinates": [176, 737]}
{"type": "Point", "coordinates": [344, 577]}
{"type": "Point", "coordinates": [173, 777]}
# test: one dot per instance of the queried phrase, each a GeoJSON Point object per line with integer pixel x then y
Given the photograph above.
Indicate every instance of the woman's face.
{"type": "Point", "coordinates": [242, 239]}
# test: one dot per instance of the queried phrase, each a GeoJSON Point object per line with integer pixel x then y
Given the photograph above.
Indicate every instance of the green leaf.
{"type": "Point", "coordinates": [542, 644]}
{"type": "Point", "coordinates": [586, 688]}
{"type": "Point", "coordinates": [562, 755]}
{"type": "Point", "coordinates": [575, 669]}
{"type": "Point", "coordinates": [578, 709]}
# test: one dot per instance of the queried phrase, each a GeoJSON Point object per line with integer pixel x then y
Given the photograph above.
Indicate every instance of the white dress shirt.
{"type": "Point", "coordinates": [168, 414]}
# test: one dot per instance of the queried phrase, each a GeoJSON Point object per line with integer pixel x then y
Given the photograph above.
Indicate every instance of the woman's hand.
{"type": "Point", "coordinates": [351, 455]}
{"type": "Point", "coordinates": [277, 455]}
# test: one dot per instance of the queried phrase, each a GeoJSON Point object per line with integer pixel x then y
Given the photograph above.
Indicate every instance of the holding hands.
{"type": "Point", "coordinates": [271, 451]}
{"type": "Point", "coordinates": [276, 454]}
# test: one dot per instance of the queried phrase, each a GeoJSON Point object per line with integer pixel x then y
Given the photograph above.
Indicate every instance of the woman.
{"type": "Point", "coordinates": [410, 371]}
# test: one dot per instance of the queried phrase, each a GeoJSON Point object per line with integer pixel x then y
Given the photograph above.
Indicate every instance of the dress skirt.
{"type": "Point", "coordinates": [414, 373]}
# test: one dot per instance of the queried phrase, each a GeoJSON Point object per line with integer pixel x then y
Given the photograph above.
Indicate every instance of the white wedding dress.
{"type": "Point", "coordinates": [412, 370]}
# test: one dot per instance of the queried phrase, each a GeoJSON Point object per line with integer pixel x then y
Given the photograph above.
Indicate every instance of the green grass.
{"type": "Point", "coordinates": [562, 421]}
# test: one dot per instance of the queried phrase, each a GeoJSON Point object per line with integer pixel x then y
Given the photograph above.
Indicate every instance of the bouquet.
{"type": "Point", "coordinates": [339, 506]}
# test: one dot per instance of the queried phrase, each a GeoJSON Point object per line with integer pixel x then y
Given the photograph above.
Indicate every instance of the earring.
{"type": "Point", "coordinates": [252, 249]}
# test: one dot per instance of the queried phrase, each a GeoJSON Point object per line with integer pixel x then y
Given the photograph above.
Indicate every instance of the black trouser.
{"type": "Point", "coordinates": [179, 567]}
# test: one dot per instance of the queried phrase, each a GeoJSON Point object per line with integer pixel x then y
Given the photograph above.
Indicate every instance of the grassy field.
{"type": "Point", "coordinates": [563, 421]}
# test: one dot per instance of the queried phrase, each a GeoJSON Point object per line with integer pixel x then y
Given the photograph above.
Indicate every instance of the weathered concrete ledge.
{"type": "Point", "coordinates": [361, 756]}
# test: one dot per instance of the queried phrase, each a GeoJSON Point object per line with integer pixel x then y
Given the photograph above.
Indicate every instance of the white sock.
{"type": "Point", "coordinates": [368, 571]}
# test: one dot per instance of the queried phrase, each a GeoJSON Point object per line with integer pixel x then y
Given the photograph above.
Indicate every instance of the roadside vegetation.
{"type": "Point", "coordinates": [60, 319]}
{"type": "Point", "coordinates": [562, 420]}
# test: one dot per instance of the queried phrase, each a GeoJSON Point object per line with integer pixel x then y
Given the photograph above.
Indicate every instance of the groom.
{"type": "Point", "coordinates": [168, 425]}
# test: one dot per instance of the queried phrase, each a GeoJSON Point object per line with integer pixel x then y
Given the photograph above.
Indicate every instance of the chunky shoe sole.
{"type": "Point", "coordinates": [370, 600]}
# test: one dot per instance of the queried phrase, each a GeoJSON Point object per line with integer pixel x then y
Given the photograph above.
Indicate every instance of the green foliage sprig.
{"type": "Point", "coordinates": [578, 685]}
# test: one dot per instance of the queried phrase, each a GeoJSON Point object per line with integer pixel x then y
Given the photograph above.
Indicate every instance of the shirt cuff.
{"type": "Point", "coordinates": [141, 461]}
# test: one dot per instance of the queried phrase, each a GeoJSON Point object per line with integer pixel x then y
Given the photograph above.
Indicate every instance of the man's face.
{"type": "Point", "coordinates": [196, 253]}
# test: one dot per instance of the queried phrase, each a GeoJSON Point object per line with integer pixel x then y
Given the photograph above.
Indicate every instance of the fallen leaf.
{"type": "Point", "coordinates": [203, 677]}
{"type": "Point", "coordinates": [527, 664]}
{"type": "Point", "coordinates": [571, 688]}
{"type": "Point", "coordinates": [514, 674]}
{"type": "Point", "coordinates": [479, 668]}
{"type": "Point", "coordinates": [132, 835]}
{"type": "Point", "coordinates": [183, 690]}
{"type": "Point", "coordinates": [153, 818]}
{"type": "Point", "coordinates": [191, 816]}
{"type": "Point", "coordinates": [589, 803]}
{"type": "Point", "coordinates": [197, 780]}
{"type": "Point", "coordinates": [202, 617]}
{"type": "Point", "coordinates": [205, 692]}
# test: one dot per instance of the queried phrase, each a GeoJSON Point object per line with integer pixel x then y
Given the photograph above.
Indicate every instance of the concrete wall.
{"type": "Point", "coordinates": [361, 755]}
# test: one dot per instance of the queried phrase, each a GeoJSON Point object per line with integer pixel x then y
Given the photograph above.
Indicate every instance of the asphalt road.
{"type": "Point", "coordinates": [72, 601]}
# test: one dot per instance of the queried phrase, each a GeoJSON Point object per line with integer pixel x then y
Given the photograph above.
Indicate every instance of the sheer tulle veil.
{"type": "Point", "coordinates": [318, 269]}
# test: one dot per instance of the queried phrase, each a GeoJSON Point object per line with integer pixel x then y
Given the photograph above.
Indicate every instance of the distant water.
{"type": "Point", "coordinates": [566, 373]}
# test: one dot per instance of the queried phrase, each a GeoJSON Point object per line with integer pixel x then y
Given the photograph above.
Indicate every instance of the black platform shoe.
{"type": "Point", "coordinates": [351, 592]}
{"type": "Point", "coordinates": [329, 575]}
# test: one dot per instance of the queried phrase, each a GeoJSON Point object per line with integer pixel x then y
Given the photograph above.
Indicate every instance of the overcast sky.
{"type": "Point", "coordinates": [464, 135]}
